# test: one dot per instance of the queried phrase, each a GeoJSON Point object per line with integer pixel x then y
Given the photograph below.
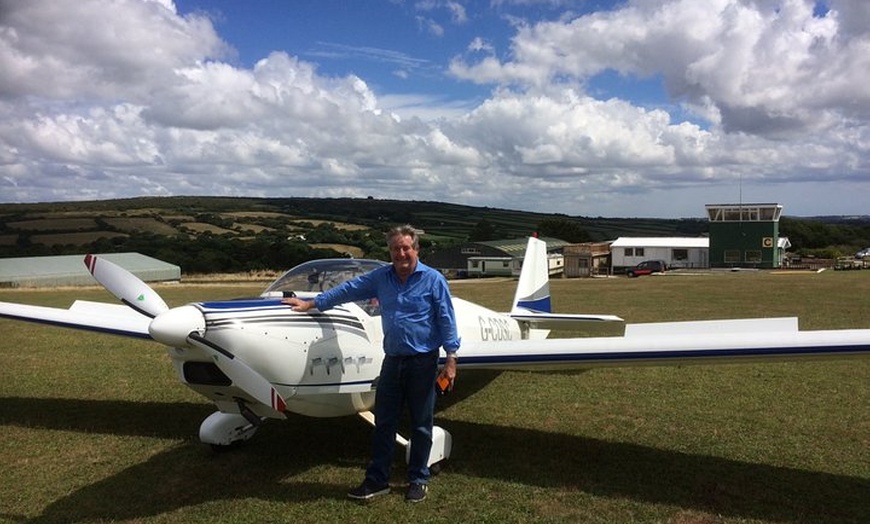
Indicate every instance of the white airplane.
{"type": "Point", "coordinates": [257, 359]}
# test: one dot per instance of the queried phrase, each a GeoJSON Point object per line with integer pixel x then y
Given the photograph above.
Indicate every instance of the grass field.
{"type": "Point", "coordinates": [97, 428]}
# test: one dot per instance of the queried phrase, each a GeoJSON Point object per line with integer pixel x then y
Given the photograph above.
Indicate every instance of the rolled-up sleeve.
{"type": "Point", "coordinates": [446, 317]}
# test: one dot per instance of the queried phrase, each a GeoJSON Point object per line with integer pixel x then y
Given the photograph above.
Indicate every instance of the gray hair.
{"type": "Point", "coordinates": [403, 231]}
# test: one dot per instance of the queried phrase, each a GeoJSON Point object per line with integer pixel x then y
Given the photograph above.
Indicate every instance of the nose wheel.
{"type": "Point", "coordinates": [225, 431]}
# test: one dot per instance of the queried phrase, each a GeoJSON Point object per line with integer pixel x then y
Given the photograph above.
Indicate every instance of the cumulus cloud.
{"type": "Point", "coordinates": [100, 49]}
{"type": "Point", "coordinates": [764, 67]}
{"type": "Point", "coordinates": [124, 98]}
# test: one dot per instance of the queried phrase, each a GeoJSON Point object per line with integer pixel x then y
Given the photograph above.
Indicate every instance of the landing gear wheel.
{"type": "Point", "coordinates": [436, 468]}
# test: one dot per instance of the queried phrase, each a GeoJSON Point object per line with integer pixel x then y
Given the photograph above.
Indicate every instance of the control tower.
{"type": "Point", "coordinates": [745, 235]}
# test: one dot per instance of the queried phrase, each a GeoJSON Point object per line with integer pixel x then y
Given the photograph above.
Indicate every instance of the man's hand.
{"type": "Point", "coordinates": [297, 304]}
{"type": "Point", "coordinates": [449, 371]}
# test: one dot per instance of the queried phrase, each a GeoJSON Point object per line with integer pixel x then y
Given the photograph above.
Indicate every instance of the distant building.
{"type": "Point", "coordinates": [746, 235]}
{"type": "Point", "coordinates": [677, 252]}
{"type": "Point", "coordinates": [491, 258]}
{"type": "Point", "coordinates": [587, 259]}
{"type": "Point", "coordinates": [70, 270]}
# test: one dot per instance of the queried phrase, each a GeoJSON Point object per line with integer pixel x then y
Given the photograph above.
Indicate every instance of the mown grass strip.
{"type": "Point", "coordinates": [97, 428]}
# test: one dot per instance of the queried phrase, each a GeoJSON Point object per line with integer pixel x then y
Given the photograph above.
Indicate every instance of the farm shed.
{"type": "Point", "coordinates": [587, 259]}
{"type": "Point", "coordinates": [70, 270]}
{"type": "Point", "coordinates": [677, 252]}
{"type": "Point", "coordinates": [491, 258]}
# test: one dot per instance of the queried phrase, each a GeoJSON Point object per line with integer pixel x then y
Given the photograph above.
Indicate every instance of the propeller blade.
{"type": "Point", "coordinates": [126, 286]}
{"type": "Point", "coordinates": [242, 375]}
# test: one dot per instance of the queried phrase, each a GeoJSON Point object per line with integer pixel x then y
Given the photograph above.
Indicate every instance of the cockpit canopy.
{"type": "Point", "coordinates": [320, 275]}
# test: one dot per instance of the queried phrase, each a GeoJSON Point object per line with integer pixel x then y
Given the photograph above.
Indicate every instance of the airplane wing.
{"type": "Point", "coordinates": [671, 343]}
{"type": "Point", "coordinates": [114, 319]}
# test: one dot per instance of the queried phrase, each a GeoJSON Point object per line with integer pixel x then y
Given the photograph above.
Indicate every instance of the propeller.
{"type": "Point", "coordinates": [181, 325]}
{"type": "Point", "coordinates": [242, 375]}
{"type": "Point", "coordinates": [126, 286]}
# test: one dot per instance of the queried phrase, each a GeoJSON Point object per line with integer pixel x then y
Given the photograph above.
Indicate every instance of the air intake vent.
{"type": "Point", "coordinates": [205, 374]}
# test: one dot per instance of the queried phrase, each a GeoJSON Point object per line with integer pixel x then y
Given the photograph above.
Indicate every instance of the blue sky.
{"type": "Point", "coordinates": [634, 108]}
{"type": "Point", "coordinates": [400, 47]}
{"type": "Point", "coordinates": [396, 47]}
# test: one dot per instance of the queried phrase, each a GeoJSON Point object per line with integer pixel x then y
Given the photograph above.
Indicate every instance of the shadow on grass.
{"type": "Point", "coordinates": [189, 473]}
{"type": "Point", "coordinates": [186, 475]}
{"type": "Point", "coordinates": [613, 469]}
{"type": "Point", "coordinates": [143, 419]}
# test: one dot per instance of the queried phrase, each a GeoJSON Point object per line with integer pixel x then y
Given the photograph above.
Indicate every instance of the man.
{"type": "Point", "coordinates": [417, 317]}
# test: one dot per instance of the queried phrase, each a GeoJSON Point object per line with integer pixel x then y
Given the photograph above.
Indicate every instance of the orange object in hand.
{"type": "Point", "coordinates": [442, 384]}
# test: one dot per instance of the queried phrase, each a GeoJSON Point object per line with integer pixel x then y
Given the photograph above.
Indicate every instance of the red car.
{"type": "Point", "coordinates": [647, 267]}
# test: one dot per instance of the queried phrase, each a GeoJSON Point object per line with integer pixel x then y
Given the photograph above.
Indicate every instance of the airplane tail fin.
{"type": "Point", "coordinates": [532, 307]}
{"type": "Point", "coordinates": [533, 288]}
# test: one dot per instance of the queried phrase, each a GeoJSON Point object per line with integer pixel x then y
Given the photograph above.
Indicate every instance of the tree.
{"type": "Point", "coordinates": [563, 229]}
{"type": "Point", "coordinates": [482, 231]}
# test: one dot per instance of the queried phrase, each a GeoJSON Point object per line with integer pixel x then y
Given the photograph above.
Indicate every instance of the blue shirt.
{"type": "Point", "coordinates": [417, 316]}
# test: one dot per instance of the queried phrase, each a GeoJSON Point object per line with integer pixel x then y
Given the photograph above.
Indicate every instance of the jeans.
{"type": "Point", "coordinates": [404, 381]}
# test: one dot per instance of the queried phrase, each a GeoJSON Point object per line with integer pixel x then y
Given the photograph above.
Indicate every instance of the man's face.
{"type": "Point", "coordinates": [403, 255]}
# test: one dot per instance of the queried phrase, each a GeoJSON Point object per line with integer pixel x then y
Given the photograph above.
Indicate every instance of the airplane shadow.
{"type": "Point", "coordinates": [715, 485]}
{"type": "Point", "coordinates": [265, 468]}
{"type": "Point", "coordinates": [189, 473]}
{"type": "Point", "coordinates": [178, 420]}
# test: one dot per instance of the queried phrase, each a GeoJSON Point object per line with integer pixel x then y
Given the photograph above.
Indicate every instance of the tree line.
{"type": "Point", "coordinates": [286, 241]}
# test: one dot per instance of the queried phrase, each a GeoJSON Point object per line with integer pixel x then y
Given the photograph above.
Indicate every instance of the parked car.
{"type": "Point", "coordinates": [647, 267]}
{"type": "Point", "coordinates": [864, 253]}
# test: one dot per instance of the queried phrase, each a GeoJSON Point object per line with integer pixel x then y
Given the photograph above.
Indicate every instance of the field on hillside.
{"type": "Point", "coordinates": [97, 428]}
{"type": "Point", "coordinates": [443, 222]}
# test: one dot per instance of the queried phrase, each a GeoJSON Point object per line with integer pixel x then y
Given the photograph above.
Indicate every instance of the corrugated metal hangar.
{"type": "Point", "coordinates": [70, 270]}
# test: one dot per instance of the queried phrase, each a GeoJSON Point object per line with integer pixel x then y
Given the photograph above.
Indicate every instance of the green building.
{"type": "Point", "coordinates": [745, 235]}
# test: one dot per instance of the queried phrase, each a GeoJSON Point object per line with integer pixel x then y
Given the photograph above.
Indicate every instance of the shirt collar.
{"type": "Point", "coordinates": [418, 268]}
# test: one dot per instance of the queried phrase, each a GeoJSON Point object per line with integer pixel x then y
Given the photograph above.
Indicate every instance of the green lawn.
{"type": "Point", "coordinates": [98, 429]}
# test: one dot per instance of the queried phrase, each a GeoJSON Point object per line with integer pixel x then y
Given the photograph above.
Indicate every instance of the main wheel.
{"type": "Point", "coordinates": [435, 468]}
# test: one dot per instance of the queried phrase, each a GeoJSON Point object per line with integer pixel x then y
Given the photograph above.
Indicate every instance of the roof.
{"type": "Point", "coordinates": [70, 270]}
{"type": "Point", "coordinates": [517, 246]}
{"type": "Point", "coordinates": [678, 242]}
{"type": "Point", "coordinates": [744, 205]}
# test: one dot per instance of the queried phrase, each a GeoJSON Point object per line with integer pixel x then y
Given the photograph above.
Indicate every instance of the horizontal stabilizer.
{"type": "Point", "coordinates": [560, 321]}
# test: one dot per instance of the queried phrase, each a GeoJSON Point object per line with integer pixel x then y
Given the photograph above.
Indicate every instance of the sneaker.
{"type": "Point", "coordinates": [368, 490]}
{"type": "Point", "coordinates": [416, 492]}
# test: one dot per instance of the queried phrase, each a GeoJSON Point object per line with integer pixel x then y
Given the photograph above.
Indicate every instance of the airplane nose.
{"type": "Point", "coordinates": [172, 327]}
